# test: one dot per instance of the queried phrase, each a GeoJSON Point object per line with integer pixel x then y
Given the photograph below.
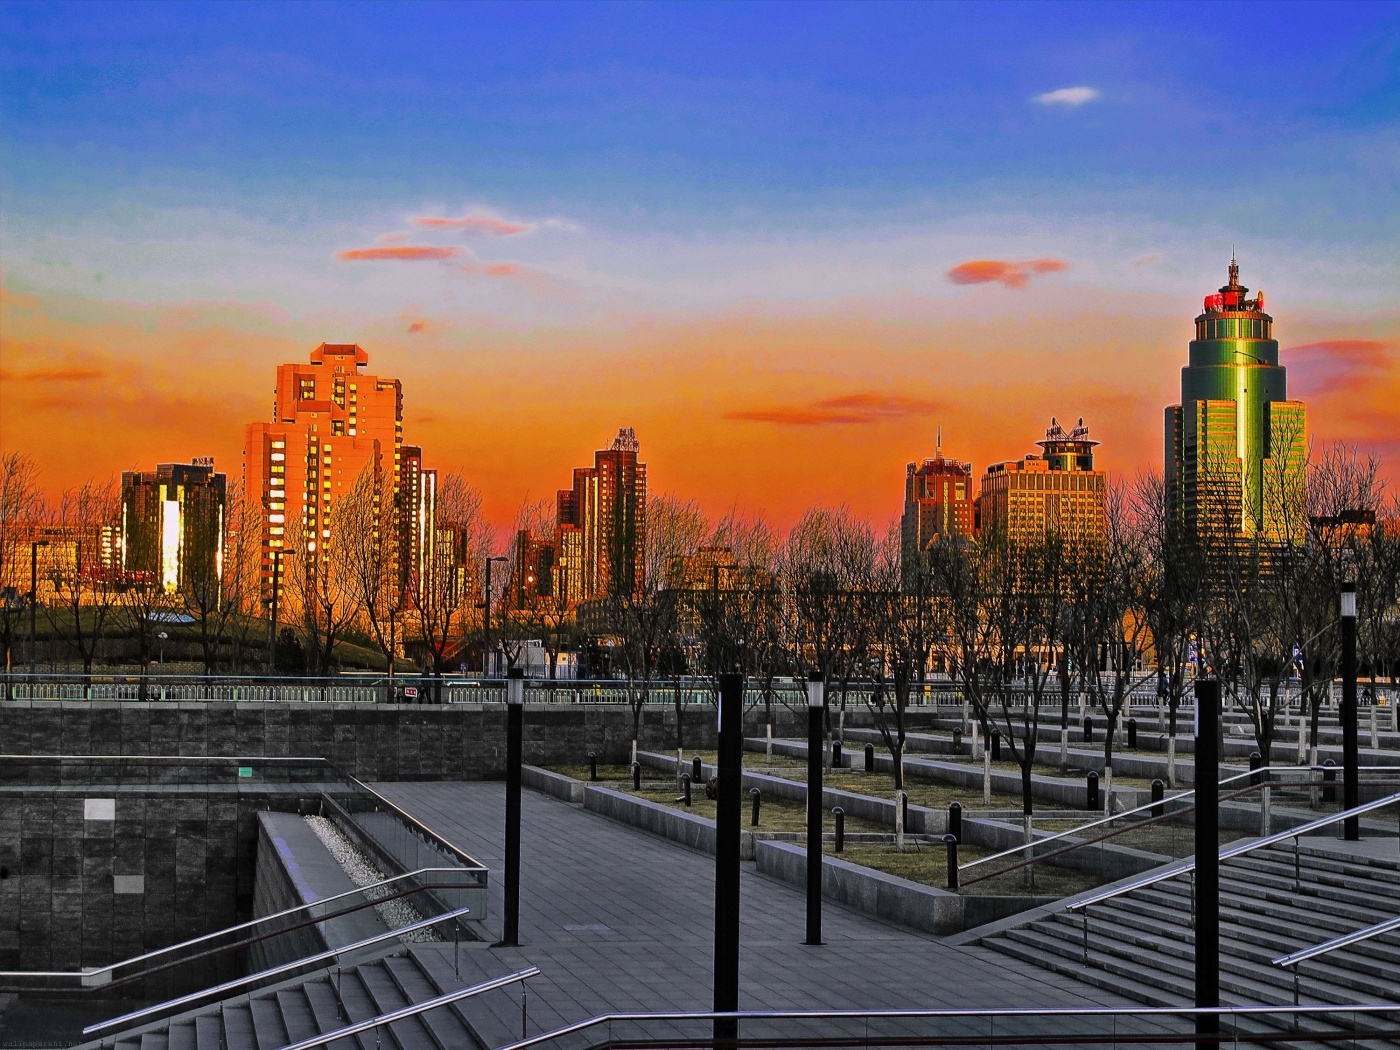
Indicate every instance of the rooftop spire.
{"type": "Point", "coordinates": [939, 452]}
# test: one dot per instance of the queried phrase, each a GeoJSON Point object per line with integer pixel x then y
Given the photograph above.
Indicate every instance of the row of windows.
{"type": "Point", "coordinates": [1234, 328]}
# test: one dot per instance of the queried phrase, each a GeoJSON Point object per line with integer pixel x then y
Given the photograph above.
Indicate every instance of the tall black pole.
{"type": "Point", "coordinates": [1351, 788]}
{"type": "Point", "coordinates": [1207, 861]}
{"type": "Point", "coordinates": [816, 698]}
{"type": "Point", "coordinates": [515, 725]}
{"type": "Point", "coordinates": [727, 816]}
{"type": "Point", "coordinates": [272, 617]}
{"type": "Point", "coordinates": [486, 625]}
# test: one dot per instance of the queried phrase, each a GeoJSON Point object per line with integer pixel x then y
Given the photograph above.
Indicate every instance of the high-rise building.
{"type": "Point", "coordinates": [938, 503]}
{"type": "Point", "coordinates": [172, 526]}
{"type": "Point", "coordinates": [601, 537]}
{"type": "Point", "coordinates": [330, 420]}
{"type": "Point", "coordinates": [417, 515]}
{"type": "Point", "coordinates": [1235, 446]}
{"type": "Point", "coordinates": [1057, 490]}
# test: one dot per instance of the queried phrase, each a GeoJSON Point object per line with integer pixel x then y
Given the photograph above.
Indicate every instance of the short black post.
{"type": "Point", "coordinates": [904, 815]}
{"type": "Point", "coordinates": [1091, 791]}
{"type": "Point", "coordinates": [685, 787]}
{"type": "Point", "coordinates": [1159, 791]}
{"type": "Point", "coordinates": [951, 841]}
{"type": "Point", "coordinates": [1256, 763]}
{"type": "Point", "coordinates": [730, 774]}
{"type": "Point", "coordinates": [839, 815]}
{"type": "Point", "coordinates": [957, 741]}
{"type": "Point", "coordinates": [870, 758]}
{"type": "Point", "coordinates": [1351, 783]}
{"type": "Point", "coordinates": [1329, 782]}
{"type": "Point", "coordinates": [756, 797]}
{"type": "Point", "coordinates": [996, 745]}
{"type": "Point", "coordinates": [697, 770]}
{"type": "Point", "coordinates": [592, 765]}
{"type": "Point", "coordinates": [636, 776]}
{"type": "Point", "coordinates": [955, 820]}
{"type": "Point", "coordinates": [816, 702]}
{"type": "Point", "coordinates": [515, 725]}
{"type": "Point", "coordinates": [1088, 730]}
{"type": "Point", "coordinates": [836, 754]}
{"type": "Point", "coordinates": [1207, 885]}
{"type": "Point", "coordinates": [1132, 733]}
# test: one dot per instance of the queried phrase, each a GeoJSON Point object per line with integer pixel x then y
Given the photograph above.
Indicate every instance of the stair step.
{"type": "Point", "coordinates": [321, 998]}
{"type": "Point", "coordinates": [297, 1015]}
{"type": "Point", "coordinates": [154, 1041]}
{"type": "Point", "coordinates": [209, 1033]}
{"type": "Point", "coordinates": [445, 1026]}
{"type": "Point", "coordinates": [268, 1030]}
{"type": "Point", "coordinates": [386, 997]}
{"type": "Point", "coordinates": [180, 1036]}
{"type": "Point", "coordinates": [493, 1018]}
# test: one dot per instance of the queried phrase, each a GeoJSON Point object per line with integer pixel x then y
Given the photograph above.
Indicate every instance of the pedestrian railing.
{"type": "Point", "coordinates": [1346, 940]}
{"type": "Point", "coordinates": [1357, 1026]}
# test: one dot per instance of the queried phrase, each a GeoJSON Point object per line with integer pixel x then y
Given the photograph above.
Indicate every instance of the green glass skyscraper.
{"type": "Point", "coordinates": [1236, 446]}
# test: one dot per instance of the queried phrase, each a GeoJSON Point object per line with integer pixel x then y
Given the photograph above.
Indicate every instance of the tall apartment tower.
{"type": "Point", "coordinates": [601, 540]}
{"type": "Point", "coordinates": [1056, 490]}
{"type": "Point", "coordinates": [172, 526]}
{"type": "Point", "coordinates": [1235, 446]}
{"type": "Point", "coordinates": [330, 420]}
{"type": "Point", "coordinates": [417, 515]}
{"type": "Point", "coordinates": [938, 503]}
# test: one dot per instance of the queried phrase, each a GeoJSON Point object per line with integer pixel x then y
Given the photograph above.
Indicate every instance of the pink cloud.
{"type": "Point", "coordinates": [1332, 364]}
{"type": "Point", "coordinates": [403, 253]}
{"type": "Point", "coordinates": [849, 409]}
{"type": "Point", "coordinates": [1010, 274]}
{"type": "Point", "coordinates": [478, 223]}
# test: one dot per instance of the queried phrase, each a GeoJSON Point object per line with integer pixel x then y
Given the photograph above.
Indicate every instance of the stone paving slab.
{"type": "Point", "coordinates": [619, 920]}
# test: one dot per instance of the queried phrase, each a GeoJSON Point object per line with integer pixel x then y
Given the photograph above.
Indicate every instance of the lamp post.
{"type": "Point", "coordinates": [1207, 887]}
{"type": "Point", "coordinates": [816, 701]}
{"type": "Point", "coordinates": [515, 720]}
{"type": "Point", "coordinates": [276, 554]}
{"type": "Point", "coordinates": [162, 636]}
{"type": "Point", "coordinates": [486, 619]}
{"type": "Point", "coordinates": [1351, 792]}
{"type": "Point", "coordinates": [729, 774]}
{"type": "Point", "coordinates": [34, 610]}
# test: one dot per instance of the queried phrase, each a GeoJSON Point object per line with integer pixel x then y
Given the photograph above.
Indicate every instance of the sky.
{"type": "Point", "coordinates": [784, 242]}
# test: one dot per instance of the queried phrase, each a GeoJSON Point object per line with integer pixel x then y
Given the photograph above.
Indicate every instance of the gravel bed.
{"type": "Point", "coordinates": [395, 913]}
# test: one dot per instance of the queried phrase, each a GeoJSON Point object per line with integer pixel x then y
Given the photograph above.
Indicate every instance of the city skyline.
{"type": "Point", "coordinates": [574, 234]}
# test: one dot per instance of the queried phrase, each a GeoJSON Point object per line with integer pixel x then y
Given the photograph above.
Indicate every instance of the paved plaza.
{"type": "Point", "coordinates": [619, 920]}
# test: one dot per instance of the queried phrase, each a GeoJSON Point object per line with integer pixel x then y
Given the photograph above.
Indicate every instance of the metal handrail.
{"type": "Point", "coordinates": [88, 974]}
{"type": "Point", "coordinates": [1231, 852]}
{"type": "Point", "coordinates": [413, 1011]}
{"type": "Point", "coordinates": [916, 1015]}
{"type": "Point", "coordinates": [1109, 820]}
{"type": "Point", "coordinates": [1355, 937]}
{"type": "Point", "coordinates": [261, 975]}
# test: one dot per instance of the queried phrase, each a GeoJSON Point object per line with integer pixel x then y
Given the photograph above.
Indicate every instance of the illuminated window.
{"type": "Point", "coordinates": [277, 519]}
{"type": "Point", "coordinates": [279, 444]}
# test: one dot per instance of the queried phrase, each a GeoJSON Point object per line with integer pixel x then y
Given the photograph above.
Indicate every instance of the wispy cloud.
{"type": "Point", "coordinates": [477, 223]}
{"type": "Point", "coordinates": [55, 375]}
{"type": "Point", "coordinates": [1142, 261]}
{"type": "Point", "coordinates": [849, 409]}
{"type": "Point", "coordinates": [1070, 97]}
{"type": "Point", "coordinates": [1011, 274]}
{"type": "Point", "coordinates": [417, 326]}
{"type": "Point", "coordinates": [1333, 364]}
{"type": "Point", "coordinates": [401, 253]}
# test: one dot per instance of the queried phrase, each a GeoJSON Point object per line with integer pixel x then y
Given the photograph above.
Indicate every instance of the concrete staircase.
{"type": "Point", "coordinates": [1142, 944]}
{"type": "Point", "coordinates": [275, 1017]}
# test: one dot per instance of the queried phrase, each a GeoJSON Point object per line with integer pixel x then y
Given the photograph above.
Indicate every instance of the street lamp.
{"type": "Point", "coordinates": [816, 703]}
{"type": "Point", "coordinates": [34, 610]}
{"type": "Point", "coordinates": [486, 619]}
{"type": "Point", "coordinates": [1351, 790]}
{"type": "Point", "coordinates": [162, 636]}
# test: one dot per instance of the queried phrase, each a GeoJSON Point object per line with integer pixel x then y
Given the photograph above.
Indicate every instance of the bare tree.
{"type": "Point", "coordinates": [319, 590]}
{"type": "Point", "coordinates": [87, 586]}
{"type": "Point", "coordinates": [21, 509]}
{"type": "Point", "coordinates": [367, 539]}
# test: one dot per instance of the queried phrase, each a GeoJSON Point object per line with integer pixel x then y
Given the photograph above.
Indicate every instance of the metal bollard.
{"type": "Point", "coordinates": [951, 842]}
{"type": "Point", "coordinates": [1132, 733]}
{"type": "Point", "coordinates": [1159, 791]}
{"type": "Point", "coordinates": [1088, 730]}
{"type": "Point", "coordinates": [685, 787]}
{"type": "Point", "coordinates": [1091, 791]}
{"type": "Point", "coordinates": [636, 776]}
{"type": "Point", "coordinates": [1329, 781]}
{"type": "Point", "coordinates": [955, 820]}
{"type": "Point", "coordinates": [697, 770]}
{"type": "Point", "coordinates": [592, 765]}
{"type": "Point", "coordinates": [836, 754]}
{"type": "Point", "coordinates": [996, 745]}
{"type": "Point", "coordinates": [1256, 762]}
{"type": "Point", "coordinates": [957, 741]}
{"type": "Point", "coordinates": [839, 815]}
{"type": "Point", "coordinates": [757, 797]}
{"type": "Point", "coordinates": [904, 815]}
{"type": "Point", "coordinates": [870, 758]}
